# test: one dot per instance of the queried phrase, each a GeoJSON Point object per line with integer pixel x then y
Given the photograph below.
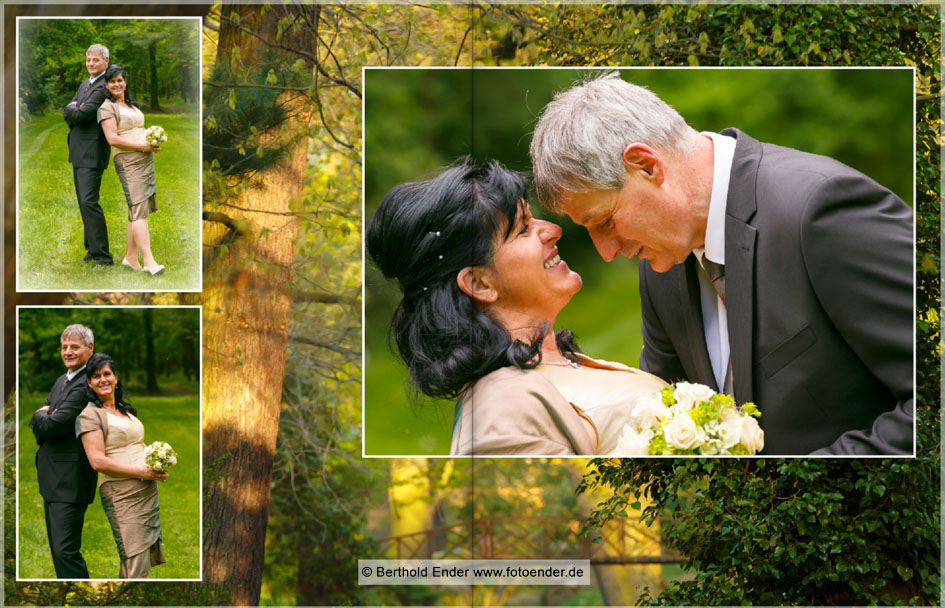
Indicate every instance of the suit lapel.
{"type": "Point", "coordinates": [59, 389]}
{"type": "Point", "coordinates": [739, 296]}
{"type": "Point", "coordinates": [740, 240]}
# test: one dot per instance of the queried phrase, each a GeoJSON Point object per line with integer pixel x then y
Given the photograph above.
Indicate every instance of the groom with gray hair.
{"type": "Point", "coordinates": [89, 153]}
{"type": "Point", "coordinates": [777, 276]}
{"type": "Point", "coordinates": [66, 479]}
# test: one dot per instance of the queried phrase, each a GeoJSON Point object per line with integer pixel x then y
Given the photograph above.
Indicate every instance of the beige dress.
{"type": "Point", "coordinates": [135, 169]}
{"type": "Point", "coordinates": [131, 505]}
{"type": "Point", "coordinates": [550, 410]}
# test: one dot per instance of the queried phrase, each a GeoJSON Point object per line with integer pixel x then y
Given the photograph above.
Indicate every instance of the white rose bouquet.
{"type": "Point", "coordinates": [159, 456]}
{"type": "Point", "coordinates": [155, 135]}
{"type": "Point", "coordinates": [691, 419]}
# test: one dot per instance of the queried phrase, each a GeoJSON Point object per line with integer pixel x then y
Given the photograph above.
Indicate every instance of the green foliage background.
{"type": "Point", "coordinates": [119, 332]}
{"type": "Point", "coordinates": [52, 58]}
{"type": "Point", "coordinates": [418, 121]}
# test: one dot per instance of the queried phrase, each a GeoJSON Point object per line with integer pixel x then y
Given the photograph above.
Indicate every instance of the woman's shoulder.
{"type": "Point", "coordinates": [108, 109]}
{"type": "Point", "coordinates": [507, 382]}
{"type": "Point", "coordinates": [612, 365]}
{"type": "Point", "coordinates": [90, 419]}
{"type": "Point", "coordinates": [513, 411]}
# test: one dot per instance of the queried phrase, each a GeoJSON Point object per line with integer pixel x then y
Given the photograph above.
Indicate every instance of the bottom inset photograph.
{"type": "Point", "coordinates": [109, 443]}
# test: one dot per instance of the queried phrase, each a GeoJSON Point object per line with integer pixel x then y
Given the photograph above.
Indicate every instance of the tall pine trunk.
{"type": "Point", "coordinates": [246, 318]}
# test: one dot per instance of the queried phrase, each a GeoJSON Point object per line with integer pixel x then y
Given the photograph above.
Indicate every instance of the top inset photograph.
{"type": "Point", "coordinates": [108, 155]}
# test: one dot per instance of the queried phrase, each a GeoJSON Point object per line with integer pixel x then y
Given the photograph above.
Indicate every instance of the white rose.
{"type": "Point", "coordinates": [632, 443]}
{"type": "Point", "coordinates": [727, 413]}
{"type": "Point", "coordinates": [681, 432]}
{"type": "Point", "coordinates": [162, 454]}
{"type": "Point", "coordinates": [650, 411]}
{"type": "Point", "coordinates": [688, 395]}
{"type": "Point", "coordinates": [752, 437]}
{"type": "Point", "coordinates": [731, 432]}
{"type": "Point", "coordinates": [156, 466]}
{"type": "Point", "coordinates": [172, 460]}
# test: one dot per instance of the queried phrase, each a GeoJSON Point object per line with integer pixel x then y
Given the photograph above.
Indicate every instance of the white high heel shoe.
{"type": "Point", "coordinates": [156, 270]}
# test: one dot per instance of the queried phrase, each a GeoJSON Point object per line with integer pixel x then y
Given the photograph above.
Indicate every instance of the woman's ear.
{"type": "Point", "coordinates": [476, 282]}
{"type": "Point", "coordinates": [645, 159]}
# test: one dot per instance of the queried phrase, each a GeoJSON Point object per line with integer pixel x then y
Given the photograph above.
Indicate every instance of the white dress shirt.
{"type": "Point", "coordinates": [714, 319]}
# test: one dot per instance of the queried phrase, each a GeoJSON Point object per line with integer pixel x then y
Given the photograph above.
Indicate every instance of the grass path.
{"type": "Point", "coordinates": [175, 420]}
{"type": "Point", "coordinates": [49, 226]}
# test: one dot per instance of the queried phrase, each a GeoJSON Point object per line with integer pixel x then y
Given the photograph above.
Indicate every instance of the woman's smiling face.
{"type": "Point", "coordinates": [116, 86]}
{"type": "Point", "coordinates": [103, 382]}
{"type": "Point", "coordinates": [531, 278]}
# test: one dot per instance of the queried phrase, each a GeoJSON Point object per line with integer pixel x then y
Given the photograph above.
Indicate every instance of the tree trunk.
{"type": "Point", "coordinates": [246, 319]}
{"type": "Point", "coordinates": [150, 363]}
{"type": "Point", "coordinates": [410, 506]}
{"type": "Point", "coordinates": [152, 61]}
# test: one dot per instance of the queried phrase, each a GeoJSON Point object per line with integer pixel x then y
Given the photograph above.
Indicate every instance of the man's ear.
{"type": "Point", "coordinates": [477, 283]}
{"type": "Point", "coordinates": [647, 160]}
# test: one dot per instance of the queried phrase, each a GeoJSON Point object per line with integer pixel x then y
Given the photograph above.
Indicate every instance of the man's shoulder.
{"type": "Point", "coordinates": [778, 162]}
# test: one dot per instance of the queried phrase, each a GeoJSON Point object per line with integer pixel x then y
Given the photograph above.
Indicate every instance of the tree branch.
{"type": "Point", "coordinates": [321, 297]}
{"type": "Point", "coordinates": [346, 352]}
{"type": "Point", "coordinates": [241, 227]}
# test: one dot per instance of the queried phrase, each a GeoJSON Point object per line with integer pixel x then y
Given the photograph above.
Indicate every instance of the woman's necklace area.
{"type": "Point", "coordinates": [566, 363]}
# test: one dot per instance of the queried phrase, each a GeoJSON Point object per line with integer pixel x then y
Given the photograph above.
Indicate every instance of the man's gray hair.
{"type": "Point", "coordinates": [99, 49]}
{"type": "Point", "coordinates": [580, 137]}
{"type": "Point", "coordinates": [78, 331]}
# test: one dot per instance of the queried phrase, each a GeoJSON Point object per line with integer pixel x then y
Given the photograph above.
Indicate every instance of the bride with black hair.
{"type": "Point", "coordinates": [482, 285]}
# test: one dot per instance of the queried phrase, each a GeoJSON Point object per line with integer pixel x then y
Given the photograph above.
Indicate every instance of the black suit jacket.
{"type": "Point", "coordinates": [62, 467]}
{"type": "Point", "coordinates": [819, 291]}
{"type": "Point", "coordinates": [87, 144]}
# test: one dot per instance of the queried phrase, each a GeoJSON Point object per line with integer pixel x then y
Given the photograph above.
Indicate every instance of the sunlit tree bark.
{"type": "Point", "coordinates": [246, 313]}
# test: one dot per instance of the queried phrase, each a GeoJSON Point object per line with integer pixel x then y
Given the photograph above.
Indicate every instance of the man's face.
{"type": "Point", "coordinates": [95, 63]}
{"type": "Point", "coordinates": [74, 353]}
{"type": "Point", "coordinates": [637, 220]}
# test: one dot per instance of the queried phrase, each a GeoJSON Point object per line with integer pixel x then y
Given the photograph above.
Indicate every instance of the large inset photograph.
{"type": "Point", "coordinates": [108, 443]}
{"type": "Point", "coordinates": [648, 262]}
{"type": "Point", "coordinates": [108, 154]}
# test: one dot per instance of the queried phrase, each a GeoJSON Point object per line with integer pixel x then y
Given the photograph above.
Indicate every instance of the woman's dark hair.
{"type": "Point", "coordinates": [116, 70]}
{"type": "Point", "coordinates": [97, 362]}
{"type": "Point", "coordinates": [423, 234]}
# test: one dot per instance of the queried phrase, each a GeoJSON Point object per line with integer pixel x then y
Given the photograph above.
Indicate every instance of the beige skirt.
{"type": "Point", "coordinates": [136, 173]}
{"type": "Point", "coordinates": [133, 511]}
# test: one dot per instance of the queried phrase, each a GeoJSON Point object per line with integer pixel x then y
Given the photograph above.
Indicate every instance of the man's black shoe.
{"type": "Point", "coordinates": [102, 263]}
{"type": "Point", "coordinates": [88, 258]}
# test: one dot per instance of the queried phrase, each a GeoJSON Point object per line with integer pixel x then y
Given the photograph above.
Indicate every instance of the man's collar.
{"type": "Point", "coordinates": [71, 375]}
{"type": "Point", "coordinates": [723, 153]}
{"type": "Point", "coordinates": [92, 79]}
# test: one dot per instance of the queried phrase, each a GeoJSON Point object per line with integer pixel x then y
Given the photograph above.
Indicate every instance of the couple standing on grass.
{"type": "Point", "coordinates": [104, 112]}
{"type": "Point", "coordinates": [86, 425]}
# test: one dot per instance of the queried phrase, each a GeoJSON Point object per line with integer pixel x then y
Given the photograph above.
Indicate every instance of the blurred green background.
{"type": "Point", "coordinates": [416, 121]}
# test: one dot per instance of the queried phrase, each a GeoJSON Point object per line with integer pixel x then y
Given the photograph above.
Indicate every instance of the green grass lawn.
{"type": "Point", "coordinates": [175, 420]}
{"type": "Point", "coordinates": [604, 315]}
{"type": "Point", "coordinates": [49, 226]}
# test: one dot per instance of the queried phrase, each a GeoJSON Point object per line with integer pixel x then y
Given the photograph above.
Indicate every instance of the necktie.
{"type": "Point", "coordinates": [716, 274]}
